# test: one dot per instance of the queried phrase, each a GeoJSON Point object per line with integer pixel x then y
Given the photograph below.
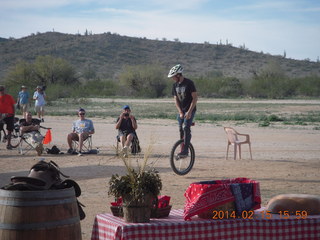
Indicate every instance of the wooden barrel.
{"type": "Point", "coordinates": [49, 214]}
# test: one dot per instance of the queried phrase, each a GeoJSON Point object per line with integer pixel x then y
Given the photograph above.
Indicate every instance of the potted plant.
{"type": "Point", "coordinates": [137, 188]}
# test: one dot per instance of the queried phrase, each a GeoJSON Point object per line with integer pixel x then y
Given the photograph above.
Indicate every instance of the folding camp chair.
{"type": "Point", "coordinates": [135, 145]}
{"type": "Point", "coordinates": [87, 144]}
{"type": "Point", "coordinates": [32, 140]}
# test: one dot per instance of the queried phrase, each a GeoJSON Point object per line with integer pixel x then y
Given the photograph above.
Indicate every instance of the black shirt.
{"type": "Point", "coordinates": [34, 122]}
{"type": "Point", "coordinates": [183, 91]}
{"type": "Point", "coordinates": [126, 126]}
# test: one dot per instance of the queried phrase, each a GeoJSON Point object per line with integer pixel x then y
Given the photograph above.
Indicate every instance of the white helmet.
{"type": "Point", "coordinates": [175, 70]}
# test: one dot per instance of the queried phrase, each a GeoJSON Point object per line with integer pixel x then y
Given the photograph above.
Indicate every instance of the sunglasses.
{"type": "Point", "coordinates": [81, 114]}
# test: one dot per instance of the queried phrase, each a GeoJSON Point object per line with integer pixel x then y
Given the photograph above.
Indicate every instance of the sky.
{"type": "Point", "coordinates": [289, 28]}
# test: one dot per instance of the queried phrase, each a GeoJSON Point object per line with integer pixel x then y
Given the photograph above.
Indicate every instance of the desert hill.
{"type": "Point", "coordinates": [107, 54]}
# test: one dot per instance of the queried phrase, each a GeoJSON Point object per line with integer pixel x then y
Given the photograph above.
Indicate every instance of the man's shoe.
{"type": "Point", "coordinates": [182, 155]}
{"type": "Point", "coordinates": [125, 151]}
{"type": "Point", "coordinates": [42, 120]}
{"type": "Point", "coordinates": [80, 154]}
{"type": "Point", "coordinates": [9, 147]}
{"type": "Point", "coordinates": [70, 151]}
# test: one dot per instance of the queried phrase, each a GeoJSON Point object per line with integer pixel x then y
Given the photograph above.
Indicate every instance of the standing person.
{"type": "Point", "coordinates": [7, 111]}
{"type": "Point", "coordinates": [185, 97]}
{"type": "Point", "coordinates": [23, 100]}
{"type": "Point", "coordinates": [40, 97]}
{"type": "Point", "coordinates": [81, 129]}
{"type": "Point", "coordinates": [126, 125]}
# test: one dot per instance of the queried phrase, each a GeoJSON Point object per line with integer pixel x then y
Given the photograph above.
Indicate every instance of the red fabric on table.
{"type": "Point", "coordinates": [201, 197]}
{"type": "Point", "coordinates": [109, 227]}
{"type": "Point", "coordinates": [163, 201]}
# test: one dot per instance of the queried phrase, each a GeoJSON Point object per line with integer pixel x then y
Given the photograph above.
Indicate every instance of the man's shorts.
{"type": "Point", "coordinates": [125, 133]}
{"type": "Point", "coordinates": [39, 108]}
{"type": "Point", "coordinates": [75, 136]}
{"type": "Point", "coordinates": [9, 121]}
{"type": "Point", "coordinates": [24, 107]}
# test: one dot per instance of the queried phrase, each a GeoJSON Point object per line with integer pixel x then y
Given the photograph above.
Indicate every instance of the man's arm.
{"type": "Point", "coordinates": [118, 124]}
{"type": "Point", "coordinates": [12, 105]}
{"type": "Point", "coordinates": [177, 103]}
{"type": "Point", "coordinates": [192, 105]}
{"type": "Point", "coordinates": [91, 129]}
{"type": "Point", "coordinates": [134, 122]}
{"type": "Point", "coordinates": [30, 128]}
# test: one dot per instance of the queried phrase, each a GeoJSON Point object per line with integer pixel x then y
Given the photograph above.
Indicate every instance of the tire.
{"type": "Point", "coordinates": [181, 166]}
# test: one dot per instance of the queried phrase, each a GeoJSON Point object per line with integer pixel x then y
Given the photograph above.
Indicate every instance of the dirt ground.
{"type": "Point", "coordinates": [285, 160]}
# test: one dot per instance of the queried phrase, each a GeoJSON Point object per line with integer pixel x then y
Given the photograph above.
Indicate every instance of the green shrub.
{"type": "Point", "coordinates": [143, 81]}
{"type": "Point", "coordinates": [218, 86]}
{"type": "Point", "coordinates": [309, 86]}
{"type": "Point", "coordinates": [96, 88]}
{"type": "Point", "coordinates": [274, 118]}
{"type": "Point", "coordinates": [264, 124]}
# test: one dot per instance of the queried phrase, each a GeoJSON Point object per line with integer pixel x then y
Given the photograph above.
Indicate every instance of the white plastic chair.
{"type": "Point", "coordinates": [236, 139]}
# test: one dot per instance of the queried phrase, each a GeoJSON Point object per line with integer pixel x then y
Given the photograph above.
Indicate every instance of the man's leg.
{"type": "Point", "coordinates": [129, 140]}
{"type": "Point", "coordinates": [24, 108]}
{"type": "Point", "coordinates": [10, 126]}
{"type": "Point", "coordinates": [123, 140]}
{"type": "Point", "coordinates": [82, 138]}
{"type": "Point", "coordinates": [9, 140]}
{"type": "Point", "coordinates": [180, 123]}
{"type": "Point", "coordinates": [187, 134]}
{"type": "Point", "coordinates": [42, 113]}
{"type": "Point", "coordinates": [37, 108]}
{"type": "Point", "coordinates": [38, 139]}
{"type": "Point", "coordinates": [70, 138]}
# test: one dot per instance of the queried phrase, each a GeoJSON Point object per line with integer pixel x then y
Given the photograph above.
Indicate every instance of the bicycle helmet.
{"type": "Point", "coordinates": [175, 70]}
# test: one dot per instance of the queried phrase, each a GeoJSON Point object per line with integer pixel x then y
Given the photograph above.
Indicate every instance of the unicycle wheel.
{"type": "Point", "coordinates": [181, 166]}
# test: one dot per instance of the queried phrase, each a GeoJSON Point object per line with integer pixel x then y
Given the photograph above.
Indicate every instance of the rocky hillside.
{"type": "Point", "coordinates": [107, 54]}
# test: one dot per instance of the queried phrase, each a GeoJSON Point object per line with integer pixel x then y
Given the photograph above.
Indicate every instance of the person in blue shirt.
{"type": "Point", "coordinates": [23, 100]}
{"type": "Point", "coordinates": [81, 129]}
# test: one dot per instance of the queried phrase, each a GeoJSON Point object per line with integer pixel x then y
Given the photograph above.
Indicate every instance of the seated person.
{"type": "Point", "coordinates": [81, 129]}
{"type": "Point", "coordinates": [126, 125]}
{"type": "Point", "coordinates": [29, 128]}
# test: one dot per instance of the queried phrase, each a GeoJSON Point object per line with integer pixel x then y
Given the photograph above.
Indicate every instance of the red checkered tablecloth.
{"type": "Point", "coordinates": [106, 227]}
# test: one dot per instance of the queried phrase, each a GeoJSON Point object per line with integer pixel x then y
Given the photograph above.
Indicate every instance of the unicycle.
{"type": "Point", "coordinates": [181, 166]}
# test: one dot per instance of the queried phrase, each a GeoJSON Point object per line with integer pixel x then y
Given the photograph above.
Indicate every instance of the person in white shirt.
{"type": "Point", "coordinates": [40, 97]}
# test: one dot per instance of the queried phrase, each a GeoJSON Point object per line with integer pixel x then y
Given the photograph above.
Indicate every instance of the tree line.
{"type": "Point", "coordinates": [150, 81]}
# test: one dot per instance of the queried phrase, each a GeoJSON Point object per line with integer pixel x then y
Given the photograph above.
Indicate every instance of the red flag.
{"type": "Point", "coordinates": [47, 138]}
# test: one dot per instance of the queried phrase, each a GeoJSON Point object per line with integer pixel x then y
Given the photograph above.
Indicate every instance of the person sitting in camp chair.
{"type": "Point", "coordinates": [127, 125]}
{"type": "Point", "coordinates": [81, 130]}
{"type": "Point", "coordinates": [29, 128]}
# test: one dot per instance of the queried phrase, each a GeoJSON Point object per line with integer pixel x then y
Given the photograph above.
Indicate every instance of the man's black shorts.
{"type": "Point", "coordinates": [9, 121]}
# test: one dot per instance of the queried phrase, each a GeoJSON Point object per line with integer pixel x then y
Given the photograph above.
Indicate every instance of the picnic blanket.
{"type": "Point", "coordinates": [203, 196]}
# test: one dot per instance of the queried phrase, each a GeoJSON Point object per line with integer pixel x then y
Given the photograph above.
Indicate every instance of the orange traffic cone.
{"type": "Point", "coordinates": [47, 138]}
